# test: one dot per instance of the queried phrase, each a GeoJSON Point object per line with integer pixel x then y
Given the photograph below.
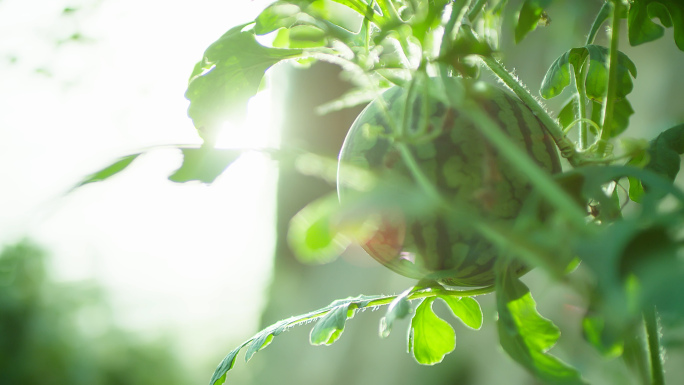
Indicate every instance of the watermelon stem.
{"type": "Point", "coordinates": [566, 147]}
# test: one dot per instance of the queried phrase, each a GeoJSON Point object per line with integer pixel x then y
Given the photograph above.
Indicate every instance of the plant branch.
{"type": "Point", "coordinates": [653, 337]}
{"type": "Point", "coordinates": [609, 102]}
{"type": "Point", "coordinates": [387, 299]}
{"type": "Point", "coordinates": [566, 147]}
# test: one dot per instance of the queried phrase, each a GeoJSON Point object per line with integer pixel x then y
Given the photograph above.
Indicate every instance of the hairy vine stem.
{"type": "Point", "coordinates": [566, 147]}
{"type": "Point", "coordinates": [386, 300]}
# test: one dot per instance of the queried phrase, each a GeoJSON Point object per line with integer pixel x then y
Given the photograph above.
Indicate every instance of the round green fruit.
{"type": "Point", "coordinates": [464, 167]}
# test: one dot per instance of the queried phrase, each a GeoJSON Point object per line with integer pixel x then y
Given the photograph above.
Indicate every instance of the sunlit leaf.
{"type": "Point", "coordinates": [361, 7]}
{"type": "Point", "coordinates": [466, 309]}
{"type": "Point", "coordinates": [281, 14]}
{"type": "Point", "coordinates": [558, 75]}
{"type": "Point", "coordinates": [642, 29]}
{"type": "Point", "coordinates": [204, 164]}
{"type": "Point", "coordinates": [300, 36]}
{"type": "Point", "coordinates": [219, 376]}
{"type": "Point", "coordinates": [430, 337]}
{"type": "Point", "coordinates": [264, 337]}
{"type": "Point", "coordinates": [329, 328]}
{"type": "Point", "coordinates": [399, 308]}
{"type": "Point", "coordinates": [226, 78]}
{"type": "Point", "coordinates": [525, 335]}
{"type": "Point", "coordinates": [529, 16]}
{"type": "Point", "coordinates": [109, 171]}
{"type": "Point", "coordinates": [260, 342]}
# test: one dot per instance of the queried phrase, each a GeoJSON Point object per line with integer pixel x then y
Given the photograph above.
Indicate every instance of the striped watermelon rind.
{"type": "Point", "coordinates": [463, 166]}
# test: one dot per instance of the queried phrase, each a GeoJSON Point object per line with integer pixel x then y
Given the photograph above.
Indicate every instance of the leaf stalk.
{"type": "Point", "coordinates": [582, 106]}
{"type": "Point", "coordinates": [611, 93]}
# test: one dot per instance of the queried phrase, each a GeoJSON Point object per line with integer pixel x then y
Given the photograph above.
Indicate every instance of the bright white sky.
{"type": "Point", "coordinates": [188, 259]}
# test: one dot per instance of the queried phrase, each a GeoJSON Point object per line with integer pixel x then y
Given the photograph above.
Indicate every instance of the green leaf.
{"type": "Point", "coordinates": [329, 328]}
{"type": "Point", "coordinates": [636, 189]}
{"type": "Point", "coordinates": [528, 18]}
{"type": "Point", "coordinates": [313, 235]}
{"type": "Point", "coordinates": [226, 78]}
{"type": "Point", "coordinates": [466, 309]}
{"type": "Point", "coordinates": [109, 171]}
{"type": "Point", "coordinates": [264, 337]}
{"type": "Point", "coordinates": [568, 113]}
{"type": "Point", "coordinates": [651, 257]}
{"type": "Point", "coordinates": [300, 36]}
{"type": "Point", "coordinates": [261, 341]}
{"type": "Point", "coordinates": [663, 157]}
{"type": "Point", "coordinates": [219, 376]}
{"type": "Point", "coordinates": [636, 266]}
{"type": "Point", "coordinates": [622, 111]}
{"type": "Point", "coordinates": [525, 335]}
{"type": "Point", "coordinates": [399, 308]}
{"type": "Point", "coordinates": [361, 7]}
{"type": "Point", "coordinates": [665, 152]}
{"type": "Point", "coordinates": [558, 75]}
{"type": "Point", "coordinates": [430, 337]}
{"type": "Point", "coordinates": [281, 14]}
{"type": "Point", "coordinates": [601, 337]}
{"type": "Point", "coordinates": [204, 164]}
{"type": "Point", "coordinates": [594, 177]}
{"type": "Point", "coordinates": [641, 29]}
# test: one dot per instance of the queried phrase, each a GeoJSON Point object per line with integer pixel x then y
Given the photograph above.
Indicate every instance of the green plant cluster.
{"type": "Point", "coordinates": [618, 215]}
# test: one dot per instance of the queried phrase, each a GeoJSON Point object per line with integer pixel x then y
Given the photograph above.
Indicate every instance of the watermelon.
{"type": "Point", "coordinates": [463, 166]}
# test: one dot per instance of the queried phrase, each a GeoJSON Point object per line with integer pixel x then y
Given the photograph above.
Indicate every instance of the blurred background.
{"type": "Point", "coordinates": [139, 280]}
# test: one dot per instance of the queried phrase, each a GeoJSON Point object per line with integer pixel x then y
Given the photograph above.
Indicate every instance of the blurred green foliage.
{"type": "Point", "coordinates": [59, 333]}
